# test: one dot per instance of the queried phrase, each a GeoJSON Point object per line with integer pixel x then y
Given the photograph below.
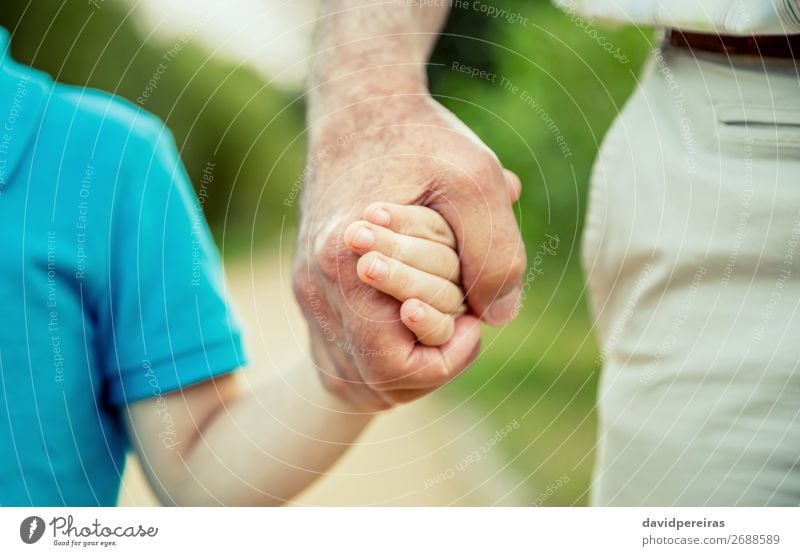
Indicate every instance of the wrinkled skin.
{"type": "Point", "coordinates": [408, 149]}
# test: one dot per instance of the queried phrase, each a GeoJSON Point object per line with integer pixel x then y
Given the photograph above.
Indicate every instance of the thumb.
{"type": "Point", "coordinates": [490, 245]}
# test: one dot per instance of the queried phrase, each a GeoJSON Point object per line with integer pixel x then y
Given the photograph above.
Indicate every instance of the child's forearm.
{"type": "Point", "coordinates": [260, 447]}
{"type": "Point", "coordinates": [270, 444]}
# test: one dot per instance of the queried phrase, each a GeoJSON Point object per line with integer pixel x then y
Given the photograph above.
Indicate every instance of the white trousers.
{"type": "Point", "coordinates": [692, 252]}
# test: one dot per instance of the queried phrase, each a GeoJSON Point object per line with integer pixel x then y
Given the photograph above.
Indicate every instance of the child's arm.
{"type": "Point", "coordinates": [236, 447]}
{"type": "Point", "coordinates": [217, 443]}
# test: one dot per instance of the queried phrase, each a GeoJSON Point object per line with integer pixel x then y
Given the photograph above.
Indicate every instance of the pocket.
{"type": "Point", "coordinates": [768, 130]}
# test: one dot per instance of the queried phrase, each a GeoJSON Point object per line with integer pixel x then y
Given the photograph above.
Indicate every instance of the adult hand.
{"type": "Point", "coordinates": [400, 146]}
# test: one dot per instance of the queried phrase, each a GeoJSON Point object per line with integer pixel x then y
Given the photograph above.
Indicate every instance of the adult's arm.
{"type": "Point", "coordinates": [376, 134]}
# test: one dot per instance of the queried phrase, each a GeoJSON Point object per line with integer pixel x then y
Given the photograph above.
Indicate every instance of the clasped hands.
{"type": "Point", "coordinates": [407, 241]}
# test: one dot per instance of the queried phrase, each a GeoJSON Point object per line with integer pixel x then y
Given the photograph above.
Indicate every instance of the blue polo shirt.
{"type": "Point", "coordinates": [111, 288]}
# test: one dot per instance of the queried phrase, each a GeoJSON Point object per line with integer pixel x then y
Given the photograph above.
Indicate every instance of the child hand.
{"type": "Point", "coordinates": [408, 252]}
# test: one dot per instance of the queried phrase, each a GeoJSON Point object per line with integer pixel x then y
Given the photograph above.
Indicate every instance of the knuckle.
{"type": "Point", "coordinates": [330, 256]}
{"type": "Point", "coordinates": [303, 287]}
{"type": "Point", "coordinates": [440, 230]}
{"type": "Point", "coordinates": [518, 268]}
{"type": "Point", "coordinates": [513, 178]}
{"type": "Point", "coordinates": [403, 283]}
{"type": "Point", "coordinates": [372, 208]}
{"type": "Point", "coordinates": [399, 247]}
{"type": "Point", "coordinates": [455, 297]}
{"type": "Point", "coordinates": [453, 265]}
{"type": "Point", "coordinates": [519, 263]}
{"type": "Point", "coordinates": [482, 169]}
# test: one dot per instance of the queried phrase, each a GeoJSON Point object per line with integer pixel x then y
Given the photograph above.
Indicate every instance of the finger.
{"type": "Point", "coordinates": [514, 185]}
{"type": "Point", "coordinates": [411, 220]}
{"type": "Point", "coordinates": [404, 282]}
{"type": "Point", "coordinates": [423, 254]}
{"type": "Point", "coordinates": [390, 362]}
{"type": "Point", "coordinates": [338, 375]}
{"type": "Point", "coordinates": [432, 367]}
{"type": "Point", "coordinates": [490, 245]}
{"type": "Point", "coordinates": [331, 347]}
{"type": "Point", "coordinates": [431, 327]}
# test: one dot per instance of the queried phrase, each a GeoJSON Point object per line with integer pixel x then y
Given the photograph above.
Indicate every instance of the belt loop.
{"type": "Point", "coordinates": [666, 38]}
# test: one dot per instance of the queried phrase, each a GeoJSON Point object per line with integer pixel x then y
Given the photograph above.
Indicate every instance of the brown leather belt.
{"type": "Point", "coordinates": [767, 46]}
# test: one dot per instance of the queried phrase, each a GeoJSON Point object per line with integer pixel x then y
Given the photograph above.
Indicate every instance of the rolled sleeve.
{"type": "Point", "coordinates": [169, 324]}
{"type": "Point", "coordinates": [155, 378]}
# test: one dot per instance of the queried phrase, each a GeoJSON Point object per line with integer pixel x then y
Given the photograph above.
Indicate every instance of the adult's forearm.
{"type": "Point", "coordinates": [377, 135]}
{"type": "Point", "coordinates": [365, 47]}
{"type": "Point", "coordinates": [268, 445]}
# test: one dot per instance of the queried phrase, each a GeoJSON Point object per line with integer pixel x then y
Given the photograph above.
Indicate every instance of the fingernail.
{"type": "Point", "coordinates": [364, 238]}
{"type": "Point", "coordinates": [418, 314]}
{"type": "Point", "coordinates": [378, 270]}
{"type": "Point", "coordinates": [504, 309]}
{"type": "Point", "coordinates": [381, 217]}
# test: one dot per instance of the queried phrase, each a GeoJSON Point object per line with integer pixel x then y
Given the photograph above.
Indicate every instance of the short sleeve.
{"type": "Point", "coordinates": [169, 324]}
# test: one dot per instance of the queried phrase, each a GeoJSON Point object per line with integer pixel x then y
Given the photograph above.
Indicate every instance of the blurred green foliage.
{"type": "Point", "coordinates": [541, 370]}
{"type": "Point", "coordinates": [220, 114]}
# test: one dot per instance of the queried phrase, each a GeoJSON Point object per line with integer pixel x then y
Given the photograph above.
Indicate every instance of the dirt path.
{"type": "Point", "coordinates": [420, 455]}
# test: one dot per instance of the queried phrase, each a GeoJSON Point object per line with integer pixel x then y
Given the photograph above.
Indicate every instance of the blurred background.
{"type": "Point", "coordinates": [227, 77]}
